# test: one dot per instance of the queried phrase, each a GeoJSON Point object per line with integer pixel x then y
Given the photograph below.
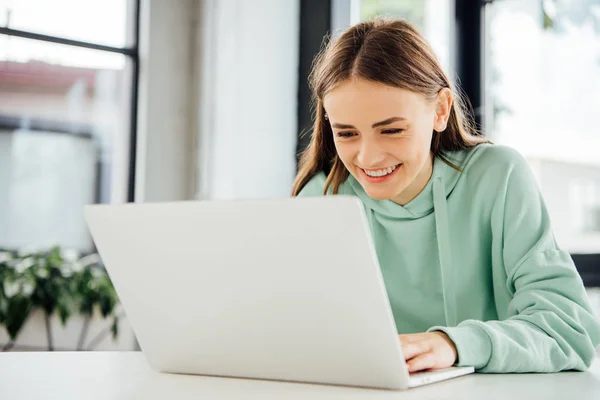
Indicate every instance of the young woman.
{"type": "Point", "coordinates": [469, 260]}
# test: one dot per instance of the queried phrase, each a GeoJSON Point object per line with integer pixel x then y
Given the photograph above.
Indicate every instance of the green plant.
{"type": "Point", "coordinates": [92, 289]}
{"type": "Point", "coordinates": [15, 295]}
{"type": "Point", "coordinates": [55, 281]}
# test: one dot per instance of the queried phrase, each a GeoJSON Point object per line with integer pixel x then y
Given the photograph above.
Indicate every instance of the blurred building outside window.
{"type": "Point", "coordinates": [542, 85]}
{"type": "Point", "coordinates": [64, 119]}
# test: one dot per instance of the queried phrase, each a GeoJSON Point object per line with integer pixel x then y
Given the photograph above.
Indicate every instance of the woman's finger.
{"type": "Point", "coordinates": [413, 349]}
{"type": "Point", "coordinates": [422, 362]}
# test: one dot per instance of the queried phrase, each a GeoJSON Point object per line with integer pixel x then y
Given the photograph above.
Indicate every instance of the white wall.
{"type": "Point", "coordinates": [218, 99]}
{"type": "Point", "coordinates": [166, 151]}
{"type": "Point", "coordinates": [247, 78]}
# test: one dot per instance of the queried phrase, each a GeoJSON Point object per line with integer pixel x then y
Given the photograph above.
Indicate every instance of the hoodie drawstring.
{"type": "Point", "coordinates": [443, 242]}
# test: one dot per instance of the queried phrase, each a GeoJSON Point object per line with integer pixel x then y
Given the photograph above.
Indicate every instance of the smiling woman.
{"type": "Point", "coordinates": [391, 158]}
{"type": "Point", "coordinates": [471, 267]}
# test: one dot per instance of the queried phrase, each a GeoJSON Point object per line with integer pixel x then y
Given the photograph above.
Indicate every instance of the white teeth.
{"type": "Point", "coordinates": [381, 172]}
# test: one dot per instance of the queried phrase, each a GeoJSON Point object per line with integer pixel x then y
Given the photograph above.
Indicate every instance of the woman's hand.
{"type": "Point", "coordinates": [432, 350]}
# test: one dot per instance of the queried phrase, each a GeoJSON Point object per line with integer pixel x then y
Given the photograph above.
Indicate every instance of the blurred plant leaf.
{"type": "Point", "coordinates": [18, 311]}
{"type": "Point", "coordinates": [56, 282]}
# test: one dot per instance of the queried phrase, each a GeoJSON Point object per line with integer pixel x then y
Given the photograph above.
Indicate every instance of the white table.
{"type": "Point", "coordinates": [125, 375]}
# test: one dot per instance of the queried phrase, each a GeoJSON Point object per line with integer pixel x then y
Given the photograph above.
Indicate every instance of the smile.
{"type": "Point", "coordinates": [380, 175]}
{"type": "Point", "coordinates": [375, 173]}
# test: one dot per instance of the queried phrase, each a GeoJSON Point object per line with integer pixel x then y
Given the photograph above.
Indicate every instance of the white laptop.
{"type": "Point", "coordinates": [284, 289]}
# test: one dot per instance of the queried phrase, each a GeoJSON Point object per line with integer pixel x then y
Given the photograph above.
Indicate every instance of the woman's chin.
{"type": "Point", "coordinates": [382, 190]}
{"type": "Point", "coordinates": [379, 194]}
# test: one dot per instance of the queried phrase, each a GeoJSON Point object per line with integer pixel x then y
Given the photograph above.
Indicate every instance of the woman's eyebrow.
{"type": "Point", "coordinates": [388, 121]}
{"type": "Point", "coordinates": [343, 126]}
{"type": "Point", "coordinates": [375, 125]}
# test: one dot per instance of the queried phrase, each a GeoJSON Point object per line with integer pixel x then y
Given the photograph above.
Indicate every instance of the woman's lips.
{"type": "Point", "coordinates": [380, 179]}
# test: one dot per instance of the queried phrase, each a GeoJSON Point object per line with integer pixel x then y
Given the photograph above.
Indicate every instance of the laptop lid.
{"type": "Point", "coordinates": [284, 289]}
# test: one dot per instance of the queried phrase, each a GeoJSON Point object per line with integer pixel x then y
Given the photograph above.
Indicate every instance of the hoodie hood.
{"type": "Point", "coordinates": [431, 199]}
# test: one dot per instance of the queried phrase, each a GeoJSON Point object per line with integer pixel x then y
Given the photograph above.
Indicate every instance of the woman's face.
{"type": "Point", "coordinates": [383, 135]}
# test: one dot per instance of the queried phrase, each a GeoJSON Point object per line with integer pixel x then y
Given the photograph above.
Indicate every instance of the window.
{"type": "Point", "coordinates": [67, 116]}
{"type": "Point", "coordinates": [541, 97]}
{"type": "Point", "coordinates": [103, 22]}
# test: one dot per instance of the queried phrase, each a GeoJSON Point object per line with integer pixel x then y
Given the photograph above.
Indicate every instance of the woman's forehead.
{"type": "Point", "coordinates": [364, 96]}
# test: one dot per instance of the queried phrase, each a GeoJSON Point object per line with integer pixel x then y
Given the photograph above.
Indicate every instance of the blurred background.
{"type": "Point", "coordinates": [117, 101]}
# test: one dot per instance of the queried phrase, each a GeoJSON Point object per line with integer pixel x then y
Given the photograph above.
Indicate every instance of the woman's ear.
{"type": "Point", "coordinates": [442, 109]}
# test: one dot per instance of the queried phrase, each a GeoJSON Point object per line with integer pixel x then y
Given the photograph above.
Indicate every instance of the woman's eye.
{"type": "Point", "coordinates": [345, 134]}
{"type": "Point", "coordinates": [391, 131]}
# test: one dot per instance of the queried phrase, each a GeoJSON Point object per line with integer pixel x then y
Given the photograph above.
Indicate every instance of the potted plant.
{"type": "Point", "coordinates": [54, 281]}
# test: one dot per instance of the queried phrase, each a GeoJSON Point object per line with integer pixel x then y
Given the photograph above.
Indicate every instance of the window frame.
{"type": "Point", "coordinates": [131, 52]}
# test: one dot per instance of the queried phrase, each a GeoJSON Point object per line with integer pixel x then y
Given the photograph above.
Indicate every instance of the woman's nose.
{"type": "Point", "coordinates": [370, 154]}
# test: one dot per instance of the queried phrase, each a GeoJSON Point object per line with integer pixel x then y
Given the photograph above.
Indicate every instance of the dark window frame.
{"type": "Point", "coordinates": [131, 52]}
{"type": "Point", "coordinates": [315, 23]}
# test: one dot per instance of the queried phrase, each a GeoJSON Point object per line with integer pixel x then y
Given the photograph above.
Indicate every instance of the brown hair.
{"type": "Point", "coordinates": [391, 52]}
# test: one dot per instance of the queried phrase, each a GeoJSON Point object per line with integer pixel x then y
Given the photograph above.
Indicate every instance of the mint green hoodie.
{"type": "Point", "coordinates": [474, 256]}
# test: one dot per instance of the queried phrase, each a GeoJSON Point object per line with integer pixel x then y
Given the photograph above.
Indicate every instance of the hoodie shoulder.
{"type": "Point", "coordinates": [487, 169]}
{"type": "Point", "coordinates": [316, 184]}
{"type": "Point", "coordinates": [314, 187]}
{"type": "Point", "coordinates": [492, 161]}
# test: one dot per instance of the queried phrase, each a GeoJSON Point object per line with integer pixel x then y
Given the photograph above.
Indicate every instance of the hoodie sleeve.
{"type": "Point", "coordinates": [549, 325]}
